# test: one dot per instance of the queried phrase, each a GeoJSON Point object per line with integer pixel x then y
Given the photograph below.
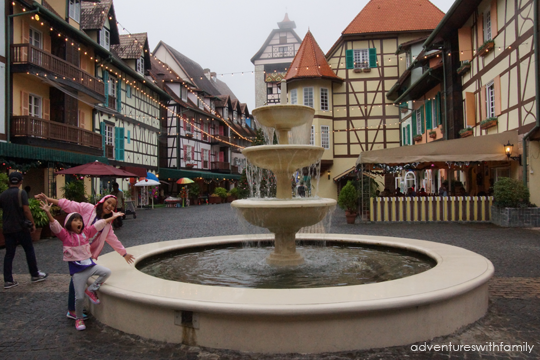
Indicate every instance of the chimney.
{"type": "Point", "coordinates": [207, 73]}
{"type": "Point", "coordinates": [213, 76]}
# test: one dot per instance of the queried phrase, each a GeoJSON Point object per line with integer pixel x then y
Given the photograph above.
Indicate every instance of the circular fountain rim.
{"type": "Point", "coordinates": [282, 146]}
{"type": "Point", "coordinates": [272, 203]}
{"type": "Point", "coordinates": [457, 272]}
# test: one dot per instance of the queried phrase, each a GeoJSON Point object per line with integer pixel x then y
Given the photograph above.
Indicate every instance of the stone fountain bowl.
{"type": "Point", "coordinates": [279, 216]}
{"type": "Point", "coordinates": [283, 117]}
{"type": "Point", "coordinates": [283, 158]}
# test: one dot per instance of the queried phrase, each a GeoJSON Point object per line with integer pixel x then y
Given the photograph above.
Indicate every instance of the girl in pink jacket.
{"type": "Point", "coordinates": [90, 214]}
{"type": "Point", "coordinates": [75, 238]}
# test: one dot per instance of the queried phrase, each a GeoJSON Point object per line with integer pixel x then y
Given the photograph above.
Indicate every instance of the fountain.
{"type": "Point", "coordinates": [414, 308]}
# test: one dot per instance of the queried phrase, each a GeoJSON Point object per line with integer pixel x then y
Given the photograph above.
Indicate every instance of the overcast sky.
{"type": "Point", "coordinates": [223, 35]}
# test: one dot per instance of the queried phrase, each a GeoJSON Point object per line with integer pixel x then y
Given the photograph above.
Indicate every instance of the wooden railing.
{"type": "Point", "coordinates": [109, 151]}
{"type": "Point", "coordinates": [112, 102]}
{"type": "Point", "coordinates": [28, 54]}
{"type": "Point", "coordinates": [221, 138]}
{"type": "Point", "coordinates": [234, 169]}
{"type": "Point", "coordinates": [29, 126]}
{"type": "Point", "coordinates": [431, 208]}
{"type": "Point", "coordinates": [218, 165]}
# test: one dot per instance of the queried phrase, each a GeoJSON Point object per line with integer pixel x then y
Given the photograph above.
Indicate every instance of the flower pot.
{"type": "Point", "coordinates": [190, 166]}
{"type": "Point", "coordinates": [488, 124]}
{"type": "Point", "coordinates": [350, 218]}
{"type": "Point", "coordinates": [466, 134]}
{"type": "Point", "coordinates": [36, 235]}
{"type": "Point", "coordinates": [433, 135]}
{"type": "Point", "coordinates": [366, 69]}
{"type": "Point", "coordinates": [214, 200]}
{"type": "Point", "coordinates": [417, 138]}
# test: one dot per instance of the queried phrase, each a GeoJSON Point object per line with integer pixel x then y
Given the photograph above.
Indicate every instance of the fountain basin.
{"type": "Point", "coordinates": [283, 117]}
{"type": "Point", "coordinates": [283, 158]}
{"type": "Point", "coordinates": [436, 302]}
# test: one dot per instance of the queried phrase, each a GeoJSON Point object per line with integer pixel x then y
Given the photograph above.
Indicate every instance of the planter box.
{"type": "Point", "coordinates": [362, 70]}
{"type": "Point", "coordinates": [190, 166]}
{"type": "Point", "coordinates": [516, 217]}
{"type": "Point", "coordinates": [433, 135]}
{"type": "Point", "coordinates": [417, 138]}
{"type": "Point", "coordinates": [189, 135]}
{"type": "Point", "coordinates": [466, 134]}
{"type": "Point", "coordinates": [488, 124]}
{"type": "Point", "coordinates": [230, 199]}
{"type": "Point", "coordinates": [214, 200]}
{"type": "Point", "coordinates": [486, 49]}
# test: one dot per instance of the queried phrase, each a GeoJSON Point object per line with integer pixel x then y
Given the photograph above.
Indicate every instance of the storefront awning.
{"type": "Point", "coordinates": [165, 173]}
{"type": "Point", "coordinates": [344, 174]}
{"type": "Point", "coordinates": [10, 150]}
{"type": "Point", "coordinates": [472, 148]}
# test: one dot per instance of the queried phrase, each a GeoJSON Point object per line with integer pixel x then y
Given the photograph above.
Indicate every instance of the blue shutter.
{"type": "Point", "coordinates": [106, 82]}
{"type": "Point", "coordinates": [129, 137]}
{"type": "Point", "coordinates": [422, 122]}
{"type": "Point", "coordinates": [349, 59]}
{"type": "Point", "coordinates": [119, 143]}
{"type": "Point", "coordinates": [102, 130]}
{"type": "Point", "coordinates": [372, 58]}
{"type": "Point", "coordinates": [128, 90]}
{"type": "Point", "coordinates": [429, 123]}
{"type": "Point", "coordinates": [413, 122]}
{"type": "Point", "coordinates": [119, 96]}
{"type": "Point", "coordinates": [408, 134]}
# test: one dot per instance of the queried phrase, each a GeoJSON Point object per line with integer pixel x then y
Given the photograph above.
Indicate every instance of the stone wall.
{"type": "Point", "coordinates": [516, 217]}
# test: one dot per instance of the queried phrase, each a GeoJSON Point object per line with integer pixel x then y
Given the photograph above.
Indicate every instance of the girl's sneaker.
{"type": "Point", "coordinates": [92, 295]}
{"type": "Point", "coordinates": [73, 315]}
{"type": "Point", "coordinates": [79, 324]}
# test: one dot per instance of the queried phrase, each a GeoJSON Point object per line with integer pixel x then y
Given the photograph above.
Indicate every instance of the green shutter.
{"type": "Point", "coordinates": [373, 58]}
{"type": "Point", "coordinates": [404, 142]}
{"type": "Point", "coordinates": [438, 109]}
{"type": "Point", "coordinates": [413, 123]}
{"type": "Point", "coordinates": [129, 137]}
{"type": "Point", "coordinates": [128, 90]}
{"type": "Point", "coordinates": [429, 113]}
{"type": "Point", "coordinates": [102, 130]}
{"type": "Point", "coordinates": [119, 96]}
{"type": "Point", "coordinates": [349, 59]}
{"type": "Point", "coordinates": [422, 122]}
{"type": "Point", "coordinates": [119, 143]}
{"type": "Point", "coordinates": [408, 134]}
{"type": "Point", "coordinates": [106, 82]}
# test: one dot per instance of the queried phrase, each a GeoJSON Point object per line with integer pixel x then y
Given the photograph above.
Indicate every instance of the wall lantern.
{"type": "Point", "coordinates": [328, 172]}
{"type": "Point", "coordinates": [508, 148]}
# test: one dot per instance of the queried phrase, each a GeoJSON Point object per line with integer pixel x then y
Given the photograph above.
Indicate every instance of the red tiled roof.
{"type": "Point", "coordinates": [310, 62]}
{"type": "Point", "coordinates": [394, 16]}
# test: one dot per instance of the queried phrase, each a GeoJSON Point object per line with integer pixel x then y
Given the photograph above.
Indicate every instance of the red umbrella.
{"type": "Point", "coordinates": [96, 169]}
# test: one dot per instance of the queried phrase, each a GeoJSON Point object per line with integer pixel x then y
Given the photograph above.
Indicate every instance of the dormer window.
{"type": "Point", "coordinates": [184, 94]}
{"type": "Point", "coordinates": [200, 102]}
{"type": "Point", "coordinates": [140, 65]}
{"type": "Point", "coordinates": [75, 10]}
{"type": "Point", "coordinates": [226, 113]}
{"type": "Point", "coordinates": [235, 116]}
{"type": "Point", "coordinates": [105, 38]}
{"type": "Point", "coordinates": [243, 120]}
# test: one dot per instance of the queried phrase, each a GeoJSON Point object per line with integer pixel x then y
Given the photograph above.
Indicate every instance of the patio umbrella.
{"type": "Point", "coordinates": [96, 169]}
{"type": "Point", "coordinates": [145, 183]}
{"type": "Point", "coordinates": [184, 181]}
{"type": "Point", "coordinates": [151, 176]}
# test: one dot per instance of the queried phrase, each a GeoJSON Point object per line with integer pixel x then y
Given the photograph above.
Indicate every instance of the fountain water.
{"type": "Point", "coordinates": [436, 302]}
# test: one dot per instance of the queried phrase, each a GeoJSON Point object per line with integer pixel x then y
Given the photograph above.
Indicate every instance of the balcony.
{"type": "Point", "coordinates": [109, 152]}
{"type": "Point", "coordinates": [112, 103]}
{"type": "Point", "coordinates": [26, 54]}
{"type": "Point", "coordinates": [219, 138]}
{"type": "Point", "coordinates": [221, 166]}
{"type": "Point", "coordinates": [29, 126]}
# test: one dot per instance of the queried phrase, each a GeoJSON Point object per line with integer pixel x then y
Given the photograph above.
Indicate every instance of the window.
{"type": "Point", "coordinates": [235, 116]}
{"type": "Point", "coordinates": [35, 38]}
{"type": "Point", "coordinates": [269, 89]}
{"type": "Point", "coordinates": [75, 10]}
{"type": "Point", "coordinates": [308, 96]}
{"type": "Point", "coordinates": [282, 51]}
{"type": "Point", "coordinates": [490, 100]}
{"type": "Point", "coordinates": [34, 106]}
{"type": "Point", "coordinates": [487, 26]}
{"type": "Point", "coordinates": [140, 65]}
{"type": "Point", "coordinates": [324, 99]}
{"type": "Point", "coordinates": [408, 58]}
{"type": "Point", "coordinates": [419, 121]}
{"type": "Point", "coordinates": [128, 91]}
{"type": "Point", "coordinates": [225, 113]}
{"type": "Point", "coordinates": [200, 102]}
{"type": "Point", "coordinates": [189, 150]}
{"type": "Point", "coordinates": [206, 154]}
{"type": "Point", "coordinates": [325, 136]}
{"type": "Point", "coordinates": [361, 59]}
{"type": "Point", "coordinates": [312, 137]}
{"type": "Point", "coordinates": [112, 87]}
{"type": "Point", "coordinates": [187, 126]}
{"type": "Point", "coordinates": [109, 134]}
{"type": "Point", "coordinates": [205, 136]}
{"type": "Point", "coordinates": [105, 38]}
{"type": "Point", "coordinates": [183, 92]}
{"type": "Point", "coordinates": [294, 97]}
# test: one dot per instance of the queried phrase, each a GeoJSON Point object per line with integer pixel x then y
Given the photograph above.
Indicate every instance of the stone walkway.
{"type": "Point", "coordinates": [33, 323]}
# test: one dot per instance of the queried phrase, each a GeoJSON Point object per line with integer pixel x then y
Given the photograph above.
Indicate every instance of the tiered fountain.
{"type": "Point", "coordinates": [415, 308]}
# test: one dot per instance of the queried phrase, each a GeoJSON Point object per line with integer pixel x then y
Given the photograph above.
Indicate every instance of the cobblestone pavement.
{"type": "Point", "coordinates": [33, 323]}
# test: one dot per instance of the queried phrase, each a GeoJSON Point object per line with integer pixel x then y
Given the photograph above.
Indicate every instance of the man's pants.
{"type": "Point", "coordinates": [25, 240]}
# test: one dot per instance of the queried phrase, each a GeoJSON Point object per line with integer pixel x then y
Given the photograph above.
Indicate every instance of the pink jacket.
{"type": "Point", "coordinates": [76, 246]}
{"type": "Point", "coordinates": [88, 213]}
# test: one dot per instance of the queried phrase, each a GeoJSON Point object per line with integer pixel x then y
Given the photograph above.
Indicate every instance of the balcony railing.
{"type": "Point", "coordinates": [109, 151]}
{"type": "Point", "coordinates": [29, 126]}
{"type": "Point", "coordinates": [112, 102]}
{"type": "Point", "coordinates": [218, 165]}
{"type": "Point", "coordinates": [28, 54]}
{"type": "Point", "coordinates": [218, 138]}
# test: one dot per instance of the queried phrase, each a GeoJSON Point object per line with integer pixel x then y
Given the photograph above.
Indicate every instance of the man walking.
{"type": "Point", "coordinates": [14, 203]}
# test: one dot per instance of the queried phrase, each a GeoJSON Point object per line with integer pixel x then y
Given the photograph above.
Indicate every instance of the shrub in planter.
{"type": "Point", "coordinates": [510, 193]}
{"type": "Point", "coordinates": [433, 134]}
{"type": "Point", "coordinates": [486, 47]}
{"type": "Point", "coordinates": [214, 199]}
{"type": "Point", "coordinates": [348, 201]}
{"type": "Point", "coordinates": [221, 192]}
{"type": "Point", "coordinates": [234, 193]}
{"type": "Point", "coordinates": [40, 218]}
{"type": "Point", "coordinates": [75, 190]}
{"type": "Point", "coordinates": [466, 132]}
{"type": "Point", "coordinates": [489, 122]}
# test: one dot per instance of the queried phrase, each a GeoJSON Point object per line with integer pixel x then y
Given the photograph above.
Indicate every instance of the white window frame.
{"type": "Point", "coordinates": [226, 113]}
{"type": "Point", "coordinates": [490, 100]}
{"type": "Point", "coordinates": [35, 38]}
{"type": "Point", "coordinates": [324, 99]}
{"type": "Point", "coordinates": [418, 121]}
{"type": "Point", "coordinates": [112, 86]}
{"type": "Point", "coordinates": [105, 38]}
{"type": "Point", "coordinates": [188, 126]}
{"type": "Point", "coordinates": [189, 151]}
{"type": "Point", "coordinates": [408, 59]}
{"type": "Point", "coordinates": [75, 10]}
{"type": "Point", "coordinates": [140, 65]}
{"type": "Point", "coordinates": [200, 102]}
{"type": "Point", "coordinates": [308, 96]}
{"type": "Point", "coordinates": [109, 135]}
{"type": "Point", "coordinates": [206, 155]}
{"type": "Point", "coordinates": [35, 105]}
{"type": "Point", "coordinates": [183, 92]}
{"type": "Point", "coordinates": [487, 25]}
{"type": "Point", "coordinates": [361, 58]}
{"type": "Point", "coordinates": [433, 115]}
{"type": "Point", "coordinates": [243, 120]}
{"type": "Point", "coordinates": [325, 136]}
{"type": "Point", "coordinates": [128, 91]}
{"type": "Point", "coordinates": [294, 97]}
{"type": "Point", "coordinates": [235, 116]}
{"type": "Point", "coordinates": [312, 136]}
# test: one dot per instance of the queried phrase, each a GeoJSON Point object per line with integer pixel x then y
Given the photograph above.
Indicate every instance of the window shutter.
{"type": "Point", "coordinates": [46, 111]}
{"type": "Point", "coordinates": [193, 153]}
{"type": "Point", "coordinates": [438, 109]}
{"type": "Point", "coordinates": [497, 95]}
{"type": "Point", "coordinates": [349, 59]}
{"type": "Point", "coordinates": [483, 103]}
{"type": "Point", "coordinates": [493, 14]}
{"type": "Point", "coordinates": [119, 96]}
{"type": "Point", "coordinates": [121, 146]}
{"type": "Point", "coordinates": [470, 108]}
{"type": "Point", "coordinates": [221, 156]}
{"type": "Point", "coordinates": [480, 29]}
{"type": "Point", "coordinates": [408, 134]}
{"type": "Point", "coordinates": [129, 137]}
{"type": "Point", "coordinates": [422, 123]}
{"type": "Point", "coordinates": [25, 103]}
{"type": "Point", "coordinates": [429, 115]}
{"type": "Point", "coordinates": [102, 128]}
{"type": "Point", "coordinates": [404, 141]}
{"type": "Point", "coordinates": [372, 58]}
{"type": "Point", "coordinates": [221, 130]}
{"type": "Point", "coordinates": [465, 43]}
{"type": "Point", "coordinates": [414, 127]}
{"type": "Point", "coordinates": [128, 90]}
{"type": "Point", "coordinates": [106, 82]}
{"type": "Point", "coordinates": [185, 152]}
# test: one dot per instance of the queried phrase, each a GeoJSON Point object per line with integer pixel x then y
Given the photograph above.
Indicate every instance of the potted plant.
{"type": "Point", "coordinates": [433, 134]}
{"type": "Point", "coordinates": [40, 218]}
{"type": "Point", "coordinates": [194, 191]}
{"type": "Point", "coordinates": [464, 68]}
{"type": "Point", "coordinates": [511, 207]}
{"type": "Point", "coordinates": [75, 191]}
{"type": "Point", "coordinates": [468, 131]}
{"type": "Point", "coordinates": [417, 138]}
{"type": "Point", "coordinates": [486, 47]}
{"type": "Point", "coordinates": [488, 123]}
{"type": "Point", "coordinates": [234, 193]}
{"type": "Point", "coordinates": [58, 215]}
{"type": "Point", "coordinates": [348, 201]}
{"type": "Point", "coordinates": [214, 199]}
{"type": "Point", "coordinates": [191, 165]}
{"type": "Point", "coordinates": [222, 193]}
